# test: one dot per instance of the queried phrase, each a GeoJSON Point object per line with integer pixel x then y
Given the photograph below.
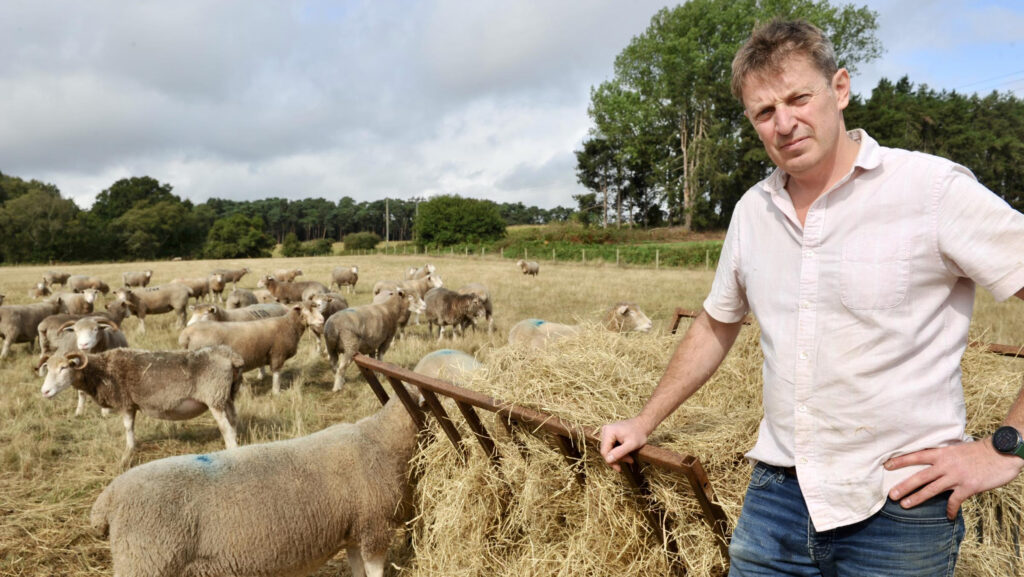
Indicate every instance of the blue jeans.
{"type": "Point", "coordinates": [775, 536]}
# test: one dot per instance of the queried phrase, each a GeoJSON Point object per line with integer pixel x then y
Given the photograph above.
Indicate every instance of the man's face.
{"type": "Point", "coordinates": [797, 113]}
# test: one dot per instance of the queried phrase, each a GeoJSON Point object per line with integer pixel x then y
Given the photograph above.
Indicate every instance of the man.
{"type": "Point", "coordinates": [859, 263]}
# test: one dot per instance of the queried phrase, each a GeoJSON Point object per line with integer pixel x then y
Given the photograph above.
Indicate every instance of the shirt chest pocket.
{"type": "Point", "coordinates": [874, 272]}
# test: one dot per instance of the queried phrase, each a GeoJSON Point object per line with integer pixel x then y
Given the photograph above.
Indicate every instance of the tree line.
{"type": "Point", "coordinates": [140, 218]}
{"type": "Point", "coordinates": [669, 144]}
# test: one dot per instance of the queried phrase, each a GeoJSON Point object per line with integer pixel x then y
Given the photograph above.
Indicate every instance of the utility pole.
{"type": "Point", "coordinates": [387, 225]}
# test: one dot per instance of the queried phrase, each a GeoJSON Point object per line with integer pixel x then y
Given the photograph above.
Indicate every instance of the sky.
{"type": "Point", "coordinates": [373, 98]}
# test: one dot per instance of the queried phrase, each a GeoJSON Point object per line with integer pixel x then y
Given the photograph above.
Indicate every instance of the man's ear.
{"type": "Point", "coordinates": [841, 87]}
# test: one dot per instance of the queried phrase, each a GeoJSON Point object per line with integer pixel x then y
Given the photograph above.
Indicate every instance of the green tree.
{"type": "Point", "coordinates": [237, 236]}
{"type": "Point", "coordinates": [668, 110]}
{"type": "Point", "coordinates": [32, 226]}
{"type": "Point", "coordinates": [291, 247]}
{"type": "Point", "coordinates": [126, 193]}
{"type": "Point", "coordinates": [447, 220]}
{"type": "Point", "coordinates": [361, 241]}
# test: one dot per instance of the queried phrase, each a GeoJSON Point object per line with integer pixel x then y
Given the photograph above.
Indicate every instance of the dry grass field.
{"type": "Point", "coordinates": [53, 465]}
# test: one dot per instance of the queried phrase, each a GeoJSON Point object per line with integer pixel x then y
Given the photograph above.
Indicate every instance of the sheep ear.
{"type": "Point", "coordinates": [623, 309]}
{"type": "Point", "coordinates": [40, 368]}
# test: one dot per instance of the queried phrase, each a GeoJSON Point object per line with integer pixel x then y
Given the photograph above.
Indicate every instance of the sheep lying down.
{"type": "Point", "coordinates": [275, 509]}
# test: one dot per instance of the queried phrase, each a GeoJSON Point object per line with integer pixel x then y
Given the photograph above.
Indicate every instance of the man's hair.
{"type": "Point", "coordinates": [770, 45]}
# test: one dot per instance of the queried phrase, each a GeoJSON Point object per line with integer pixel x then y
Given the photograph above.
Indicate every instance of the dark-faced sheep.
{"type": "Point", "coordinates": [447, 308]}
{"type": "Point", "coordinates": [623, 317]}
{"type": "Point", "coordinates": [281, 508]}
{"type": "Point", "coordinates": [481, 291]}
{"type": "Point", "coordinates": [39, 290]}
{"type": "Point", "coordinates": [172, 385]}
{"type": "Point", "coordinates": [240, 298]}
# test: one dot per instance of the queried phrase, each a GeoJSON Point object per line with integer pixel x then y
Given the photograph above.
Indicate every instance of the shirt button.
{"type": "Point", "coordinates": [808, 253]}
{"type": "Point", "coordinates": [802, 408]}
{"type": "Point", "coordinates": [805, 304]}
{"type": "Point", "coordinates": [803, 355]}
{"type": "Point", "coordinates": [802, 460]}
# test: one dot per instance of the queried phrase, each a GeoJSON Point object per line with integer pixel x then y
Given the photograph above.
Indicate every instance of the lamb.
{"type": "Point", "coordinates": [216, 283]}
{"type": "Point", "coordinates": [90, 334]}
{"type": "Point", "coordinates": [288, 292]}
{"type": "Point", "coordinates": [52, 277]}
{"type": "Point", "coordinates": [623, 317]}
{"type": "Point", "coordinates": [76, 303]}
{"type": "Point", "coordinates": [157, 300]}
{"type": "Point", "coordinates": [172, 385]}
{"type": "Point", "coordinates": [231, 275]}
{"type": "Point", "coordinates": [18, 323]}
{"type": "Point", "coordinates": [286, 274]}
{"type": "Point", "coordinates": [485, 297]}
{"type": "Point", "coordinates": [280, 508]}
{"type": "Point", "coordinates": [448, 308]}
{"type": "Point", "coordinates": [211, 312]}
{"type": "Point", "coordinates": [136, 278]}
{"type": "Point", "coordinates": [200, 287]}
{"type": "Point", "coordinates": [414, 273]}
{"type": "Point", "coordinates": [39, 290]}
{"type": "Point", "coordinates": [529, 267]}
{"type": "Point", "coordinates": [240, 298]}
{"type": "Point", "coordinates": [367, 329]}
{"type": "Point", "coordinates": [79, 283]}
{"type": "Point", "coordinates": [345, 276]}
{"type": "Point", "coordinates": [265, 341]}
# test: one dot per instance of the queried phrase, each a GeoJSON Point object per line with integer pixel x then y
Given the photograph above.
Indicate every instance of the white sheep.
{"type": "Point", "coordinates": [289, 292]}
{"type": "Point", "coordinates": [80, 282]}
{"type": "Point", "coordinates": [529, 267]}
{"type": "Point", "coordinates": [52, 277]}
{"type": "Point", "coordinates": [345, 276]}
{"type": "Point", "coordinates": [286, 274]}
{"type": "Point", "coordinates": [623, 317]}
{"type": "Point", "coordinates": [136, 278]}
{"type": "Point", "coordinates": [19, 323]}
{"type": "Point", "coordinates": [39, 290]}
{"type": "Point", "coordinates": [80, 303]}
{"type": "Point", "coordinates": [157, 300]}
{"type": "Point", "coordinates": [198, 287]}
{"type": "Point", "coordinates": [281, 508]}
{"type": "Point", "coordinates": [90, 334]}
{"type": "Point", "coordinates": [414, 273]}
{"type": "Point", "coordinates": [270, 341]}
{"type": "Point", "coordinates": [239, 298]}
{"type": "Point", "coordinates": [231, 275]}
{"type": "Point", "coordinates": [172, 385]}
{"type": "Point", "coordinates": [210, 312]}
{"type": "Point", "coordinates": [367, 329]}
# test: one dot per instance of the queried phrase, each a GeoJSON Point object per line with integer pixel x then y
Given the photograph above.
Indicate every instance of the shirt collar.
{"type": "Point", "coordinates": [868, 157]}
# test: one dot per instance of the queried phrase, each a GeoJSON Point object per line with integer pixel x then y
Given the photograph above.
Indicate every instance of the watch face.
{"type": "Point", "coordinates": [1006, 439]}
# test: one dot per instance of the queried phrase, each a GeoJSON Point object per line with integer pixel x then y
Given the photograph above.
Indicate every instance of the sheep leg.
{"type": "Point", "coordinates": [339, 375]}
{"type": "Point", "coordinates": [227, 428]}
{"type": "Point", "coordinates": [81, 404]}
{"type": "Point", "coordinates": [6, 349]}
{"type": "Point", "coordinates": [128, 418]}
{"type": "Point", "coordinates": [276, 382]}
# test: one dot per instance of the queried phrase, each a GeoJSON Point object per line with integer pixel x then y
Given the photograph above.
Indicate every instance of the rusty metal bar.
{"type": "Point", "coordinates": [410, 405]}
{"type": "Point", "coordinates": [688, 313]}
{"type": "Point", "coordinates": [1007, 350]}
{"type": "Point", "coordinates": [375, 385]}
{"type": "Point", "coordinates": [656, 517]}
{"type": "Point", "coordinates": [444, 420]}
{"type": "Point", "coordinates": [572, 455]}
{"type": "Point", "coordinates": [482, 436]}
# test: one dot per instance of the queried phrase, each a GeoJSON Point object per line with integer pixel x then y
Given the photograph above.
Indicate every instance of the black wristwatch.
{"type": "Point", "coordinates": [1007, 440]}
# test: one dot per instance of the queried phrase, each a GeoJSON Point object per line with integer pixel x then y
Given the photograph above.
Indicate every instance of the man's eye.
{"type": "Point", "coordinates": [764, 114]}
{"type": "Point", "coordinates": [802, 99]}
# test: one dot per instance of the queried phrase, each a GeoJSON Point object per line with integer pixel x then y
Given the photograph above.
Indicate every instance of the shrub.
{"type": "Point", "coordinates": [449, 220]}
{"type": "Point", "coordinates": [361, 241]}
{"type": "Point", "coordinates": [318, 247]}
{"type": "Point", "coordinates": [291, 246]}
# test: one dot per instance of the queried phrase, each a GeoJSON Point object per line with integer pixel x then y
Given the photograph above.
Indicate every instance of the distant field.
{"type": "Point", "coordinates": [53, 465]}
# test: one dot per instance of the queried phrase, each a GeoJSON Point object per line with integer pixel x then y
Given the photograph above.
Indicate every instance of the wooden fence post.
{"type": "Point", "coordinates": [584, 258]}
{"type": "Point", "coordinates": [616, 257]}
{"type": "Point", "coordinates": [657, 259]}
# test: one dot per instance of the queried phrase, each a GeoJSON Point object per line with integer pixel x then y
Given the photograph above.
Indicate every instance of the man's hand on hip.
{"type": "Point", "coordinates": [965, 468]}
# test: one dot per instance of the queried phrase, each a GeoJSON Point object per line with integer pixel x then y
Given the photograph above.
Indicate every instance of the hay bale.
{"type": "Point", "coordinates": [532, 517]}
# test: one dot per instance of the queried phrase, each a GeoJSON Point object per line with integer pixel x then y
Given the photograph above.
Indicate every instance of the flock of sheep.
{"type": "Point", "coordinates": [344, 486]}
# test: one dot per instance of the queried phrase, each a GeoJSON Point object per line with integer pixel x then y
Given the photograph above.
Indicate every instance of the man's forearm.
{"type": "Point", "coordinates": [698, 355]}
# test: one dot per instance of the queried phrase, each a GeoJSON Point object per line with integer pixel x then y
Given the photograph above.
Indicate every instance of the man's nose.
{"type": "Point", "coordinates": [785, 122]}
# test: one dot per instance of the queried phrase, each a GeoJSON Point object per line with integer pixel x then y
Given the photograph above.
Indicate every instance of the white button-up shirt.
{"type": "Point", "coordinates": [864, 312]}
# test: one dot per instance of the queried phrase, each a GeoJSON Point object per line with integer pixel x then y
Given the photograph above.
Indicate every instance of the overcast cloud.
{"type": "Point", "coordinates": [248, 100]}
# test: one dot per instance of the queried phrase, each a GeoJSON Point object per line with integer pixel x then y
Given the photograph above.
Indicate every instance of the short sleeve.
{"type": "Point", "coordinates": [727, 301]}
{"type": "Point", "coordinates": [980, 236]}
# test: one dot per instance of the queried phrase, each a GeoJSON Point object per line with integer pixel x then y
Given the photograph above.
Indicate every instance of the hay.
{"type": "Point", "coordinates": [532, 517]}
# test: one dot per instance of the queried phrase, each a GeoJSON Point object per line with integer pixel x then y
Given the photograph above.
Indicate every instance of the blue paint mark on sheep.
{"type": "Point", "coordinates": [204, 459]}
{"type": "Point", "coordinates": [536, 322]}
{"type": "Point", "coordinates": [444, 352]}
